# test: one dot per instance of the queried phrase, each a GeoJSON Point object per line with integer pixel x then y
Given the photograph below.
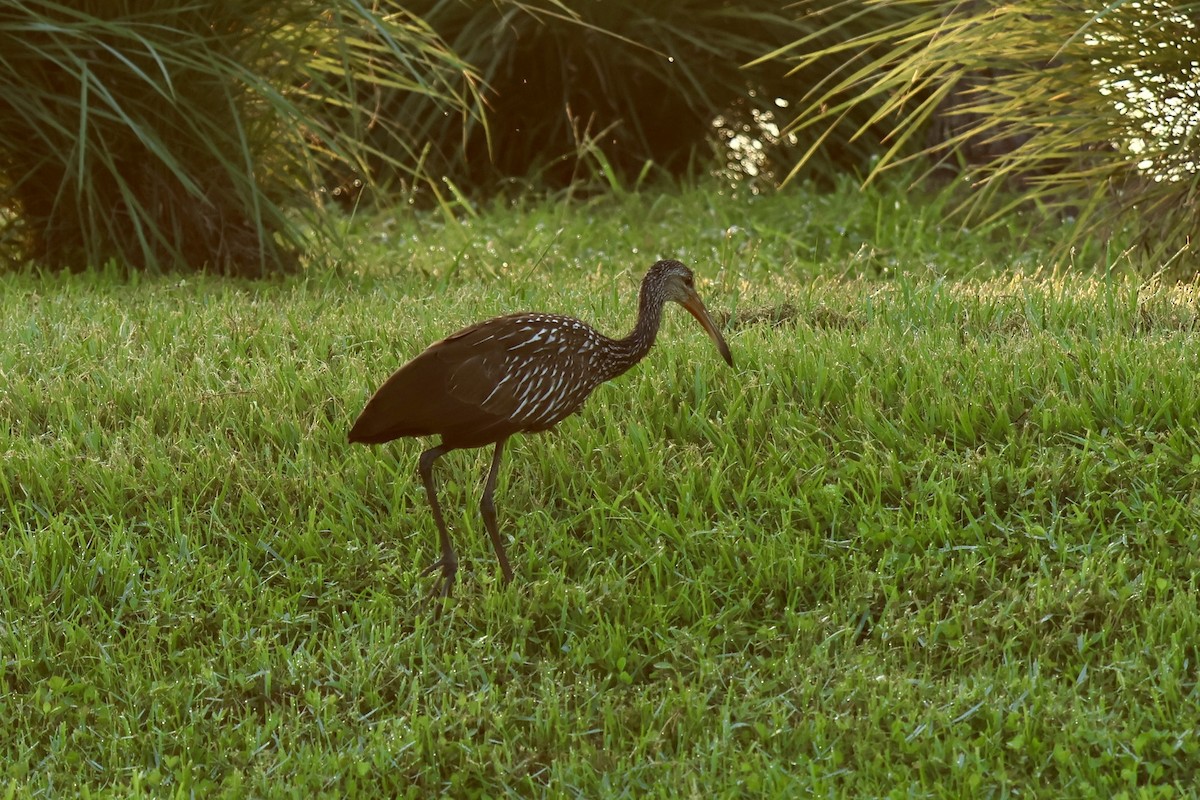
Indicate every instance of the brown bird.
{"type": "Point", "coordinates": [519, 373]}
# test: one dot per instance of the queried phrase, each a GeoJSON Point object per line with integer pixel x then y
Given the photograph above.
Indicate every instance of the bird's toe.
{"type": "Point", "coordinates": [445, 585]}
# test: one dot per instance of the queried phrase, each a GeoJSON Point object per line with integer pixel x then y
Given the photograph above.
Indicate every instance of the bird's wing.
{"type": "Point", "coordinates": [516, 366]}
{"type": "Point", "coordinates": [478, 361]}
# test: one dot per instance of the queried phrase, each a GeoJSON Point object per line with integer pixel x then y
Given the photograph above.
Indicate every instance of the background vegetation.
{"type": "Point", "coordinates": [619, 89]}
{"type": "Point", "coordinates": [1093, 112]}
{"type": "Point", "coordinates": [157, 134]}
{"type": "Point", "coordinates": [212, 137]}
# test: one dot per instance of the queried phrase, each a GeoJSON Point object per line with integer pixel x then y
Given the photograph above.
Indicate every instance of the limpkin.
{"type": "Point", "coordinates": [519, 373]}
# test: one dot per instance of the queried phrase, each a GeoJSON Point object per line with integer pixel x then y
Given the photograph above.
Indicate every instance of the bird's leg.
{"type": "Point", "coordinates": [487, 507]}
{"type": "Point", "coordinates": [449, 561]}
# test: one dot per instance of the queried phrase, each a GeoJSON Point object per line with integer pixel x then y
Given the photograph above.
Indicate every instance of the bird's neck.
{"type": "Point", "coordinates": [633, 348]}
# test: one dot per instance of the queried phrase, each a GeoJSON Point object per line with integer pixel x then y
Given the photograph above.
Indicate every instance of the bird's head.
{"type": "Point", "coordinates": [671, 280]}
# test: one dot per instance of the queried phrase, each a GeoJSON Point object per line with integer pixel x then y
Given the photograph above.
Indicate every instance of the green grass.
{"type": "Point", "coordinates": [936, 535]}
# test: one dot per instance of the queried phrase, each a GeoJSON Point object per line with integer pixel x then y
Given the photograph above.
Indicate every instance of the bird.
{"type": "Point", "coordinates": [519, 373]}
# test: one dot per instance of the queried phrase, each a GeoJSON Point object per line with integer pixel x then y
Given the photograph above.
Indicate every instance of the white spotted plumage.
{"type": "Point", "coordinates": [556, 362]}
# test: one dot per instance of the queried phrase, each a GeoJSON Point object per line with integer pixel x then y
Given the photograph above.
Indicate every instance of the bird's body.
{"type": "Point", "coordinates": [519, 373]}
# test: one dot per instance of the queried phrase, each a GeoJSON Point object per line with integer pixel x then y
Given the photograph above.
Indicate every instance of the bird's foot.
{"type": "Point", "coordinates": [445, 585]}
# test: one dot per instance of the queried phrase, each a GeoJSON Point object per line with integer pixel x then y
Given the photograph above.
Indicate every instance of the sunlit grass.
{"type": "Point", "coordinates": [936, 534]}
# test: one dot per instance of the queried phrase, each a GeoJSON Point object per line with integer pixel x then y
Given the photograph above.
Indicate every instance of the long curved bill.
{"type": "Point", "coordinates": [695, 305]}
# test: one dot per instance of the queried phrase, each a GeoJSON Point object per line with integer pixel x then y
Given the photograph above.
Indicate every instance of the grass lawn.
{"type": "Point", "coordinates": [937, 534]}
